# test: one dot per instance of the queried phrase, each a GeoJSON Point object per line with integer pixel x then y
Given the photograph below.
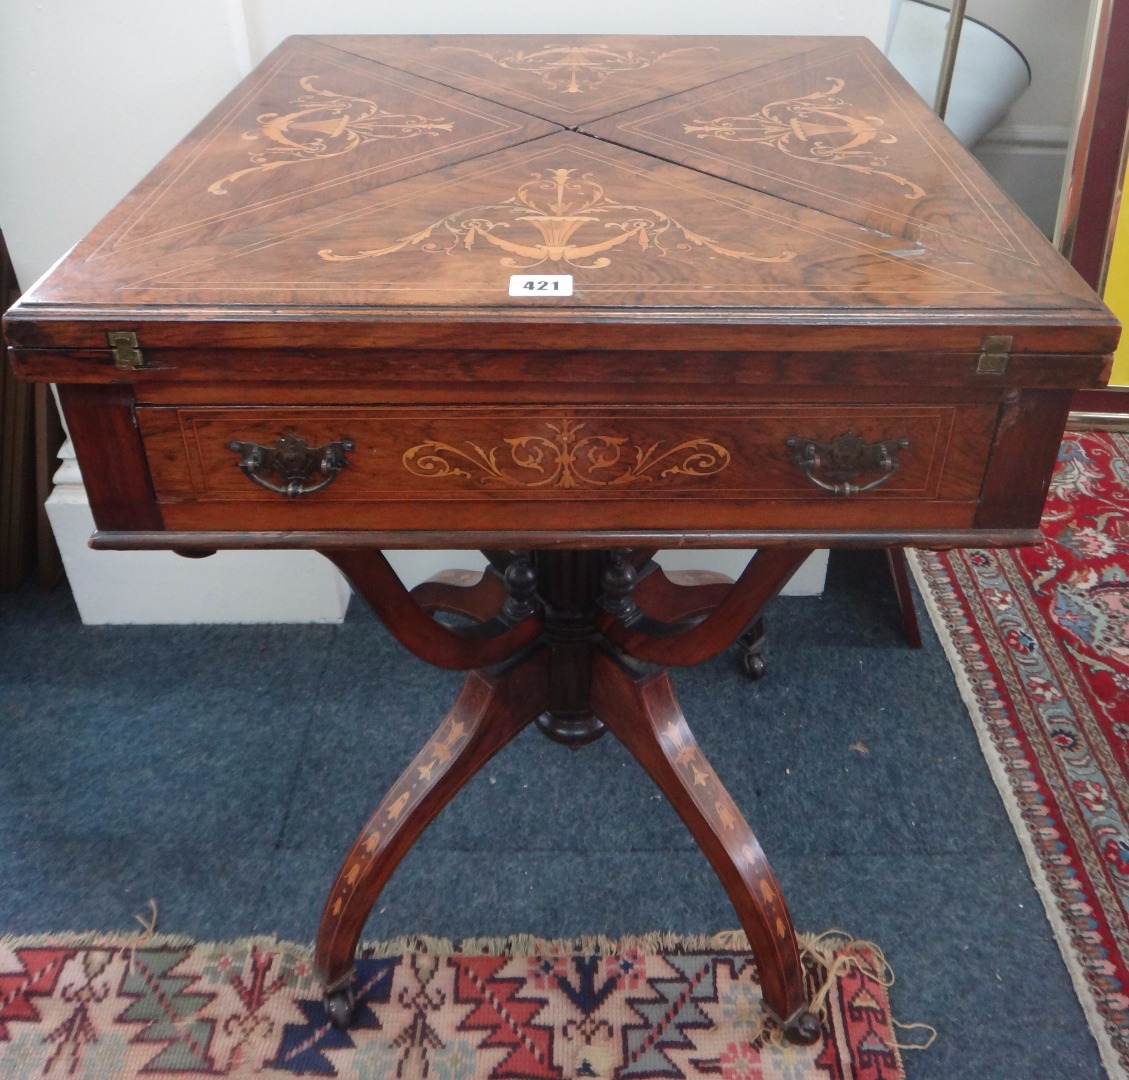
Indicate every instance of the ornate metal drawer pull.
{"type": "Point", "coordinates": [294, 461]}
{"type": "Point", "coordinates": [843, 458]}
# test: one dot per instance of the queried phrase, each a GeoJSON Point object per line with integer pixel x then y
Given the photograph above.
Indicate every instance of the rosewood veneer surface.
{"type": "Point", "coordinates": [767, 238]}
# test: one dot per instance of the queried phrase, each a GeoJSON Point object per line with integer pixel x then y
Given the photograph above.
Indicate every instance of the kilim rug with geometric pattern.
{"type": "Point", "coordinates": [147, 1006]}
{"type": "Point", "coordinates": [1039, 641]}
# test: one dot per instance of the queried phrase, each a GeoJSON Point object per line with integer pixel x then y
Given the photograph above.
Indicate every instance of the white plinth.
{"type": "Point", "coordinates": [161, 587]}
{"type": "Point", "coordinates": [807, 581]}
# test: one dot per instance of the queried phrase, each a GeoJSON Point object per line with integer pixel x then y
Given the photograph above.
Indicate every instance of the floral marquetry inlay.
{"type": "Point", "coordinates": [723, 816]}
{"type": "Point", "coordinates": [553, 209]}
{"type": "Point", "coordinates": [398, 805]}
{"type": "Point", "coordinates": [820, 127]}
{"type": "Point", "coordinates": [326, 124]}
{"type": "Point", "coordinates": [575, 69]}
{"type": "Point", "coordinates": [563, 455]}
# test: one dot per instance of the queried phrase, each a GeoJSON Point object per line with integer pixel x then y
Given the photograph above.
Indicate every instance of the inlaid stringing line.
{"type": "Point", "coordinates": [502, 127]}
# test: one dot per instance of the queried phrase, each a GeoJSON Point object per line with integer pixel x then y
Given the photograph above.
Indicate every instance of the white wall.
{"type": "Point", "coordinates": [91, 97]}
{"type": "Point", "coordinates": [269, 21]}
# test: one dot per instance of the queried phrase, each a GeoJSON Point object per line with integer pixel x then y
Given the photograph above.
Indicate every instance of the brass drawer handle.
{"type": "Point", "coordinates": [294, 461]}
{"type": "Point", "coordinates": [843, 458]}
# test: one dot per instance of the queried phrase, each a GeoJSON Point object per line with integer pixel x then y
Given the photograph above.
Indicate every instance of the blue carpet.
{"type": "Point", "coordinates": [224, 771]}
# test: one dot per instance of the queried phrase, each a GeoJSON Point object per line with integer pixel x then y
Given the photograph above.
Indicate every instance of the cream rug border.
{"type": "Point", "coordinates": [1109, 1057]}
{"type": "Point", "coordinates": [825, 957]}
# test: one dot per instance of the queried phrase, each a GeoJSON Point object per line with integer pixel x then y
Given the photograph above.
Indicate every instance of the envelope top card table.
{"type": "Point", "coordinates": [639, 284]}
{"type": "Point", "coordinates": [568, 300]}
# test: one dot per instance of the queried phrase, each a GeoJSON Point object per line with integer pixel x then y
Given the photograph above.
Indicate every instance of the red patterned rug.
{"type": "Point", "coordinates": [148, 1007]}
{"type": "Point", "coordinates": [1039, 641]}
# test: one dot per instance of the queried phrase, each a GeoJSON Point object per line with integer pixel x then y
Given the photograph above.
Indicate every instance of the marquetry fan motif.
{"type": "Point", "coordinates": [570, 79]}
{"type": "Point", "coordinates": [325, 124]}
{"type": "Point", "coordinates": [553, 207]}
{"type": "Point", "coordinates": [620, 223]}
{"type": "Point", "coordinates": [311, 126]}
{"type": "Point", "coordinates": [820, 127]}
{"type": "Point", "coordinates": [579, 69]}
{"type": "Point", "coordinates": [795, 129]}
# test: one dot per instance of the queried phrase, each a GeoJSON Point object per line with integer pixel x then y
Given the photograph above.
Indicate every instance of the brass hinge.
{"type": "Point", "coordinates": [995, 351]}
{"type": "Point", "coordinates": [127, 354]}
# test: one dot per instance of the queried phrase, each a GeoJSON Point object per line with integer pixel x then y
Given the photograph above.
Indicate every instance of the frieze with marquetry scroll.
{"type": "Point", "coordinates": [566, 455]}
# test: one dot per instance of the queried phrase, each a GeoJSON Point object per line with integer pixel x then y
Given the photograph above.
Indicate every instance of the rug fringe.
{"type": "Point", "coordinates": [95, 938]}
{"type": "Point", "coordinates": [829, 955]}
{"type": "Point", "coordinates": [509, 945]}
{"type": "Point", "coordinates": [533, 945]}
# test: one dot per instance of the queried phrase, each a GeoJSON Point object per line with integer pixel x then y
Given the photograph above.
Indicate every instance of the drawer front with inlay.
{"type": "Point", "coordinates": [505, 468]}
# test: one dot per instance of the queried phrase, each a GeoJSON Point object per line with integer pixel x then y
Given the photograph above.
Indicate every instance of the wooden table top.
{"type": "Point", "coordinates": [726, 193]}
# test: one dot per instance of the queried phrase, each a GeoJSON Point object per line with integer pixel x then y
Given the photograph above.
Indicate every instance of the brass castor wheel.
{"type": "Point", "coordinates": [751, 644]}
{"type": "Point", "coordinates": [752, 663]}
{"type": "Point", "coordinates": [803, 1029]}
{"type": "Point", "coordinates": [339, 1004]}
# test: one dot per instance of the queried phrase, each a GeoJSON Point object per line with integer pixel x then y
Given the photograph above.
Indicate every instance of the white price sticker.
{"type": "Point", "coordinates": [533, 286]}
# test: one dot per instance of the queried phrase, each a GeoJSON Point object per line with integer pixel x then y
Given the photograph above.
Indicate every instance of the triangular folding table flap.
{"type": "Point", "coordinates": [572, 79]}
{"type": "Point", "coordinates": [632, 232]}
{"type": "Point", "coordinates": [836, 129]}
{"type": "Point", "coordinates": [312, 124]}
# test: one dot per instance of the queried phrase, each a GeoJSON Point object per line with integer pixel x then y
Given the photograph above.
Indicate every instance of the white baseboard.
{"type": "Point", "coordinates": [1029, 162]}
{"type": "Point", "coordinates": [807, 581]}
{"type": "Point", "coordinates": [1027, 136]}
{"type": "Point", "coordinates": [162, 587]}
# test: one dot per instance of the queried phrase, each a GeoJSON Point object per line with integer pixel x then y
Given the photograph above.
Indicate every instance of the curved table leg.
{"type": "Point", "coordinates": [643, 713]}
{"type": "Point", "coordinates": [899, 572]}
{"type": "Point", "coordinates": [490, 710]}
{"type": "Point", "coordinates": [370, 574]}
{"type": "Point", "coordinates": [672, 596]}
{"type": "Point", "coordinates": [478, 596]}
{"type": "Point", "coordinates": [767, 573]}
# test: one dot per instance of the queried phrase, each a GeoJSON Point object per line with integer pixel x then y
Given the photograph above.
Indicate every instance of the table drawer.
{"type": "Point", "coordinates": [331, 466]}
